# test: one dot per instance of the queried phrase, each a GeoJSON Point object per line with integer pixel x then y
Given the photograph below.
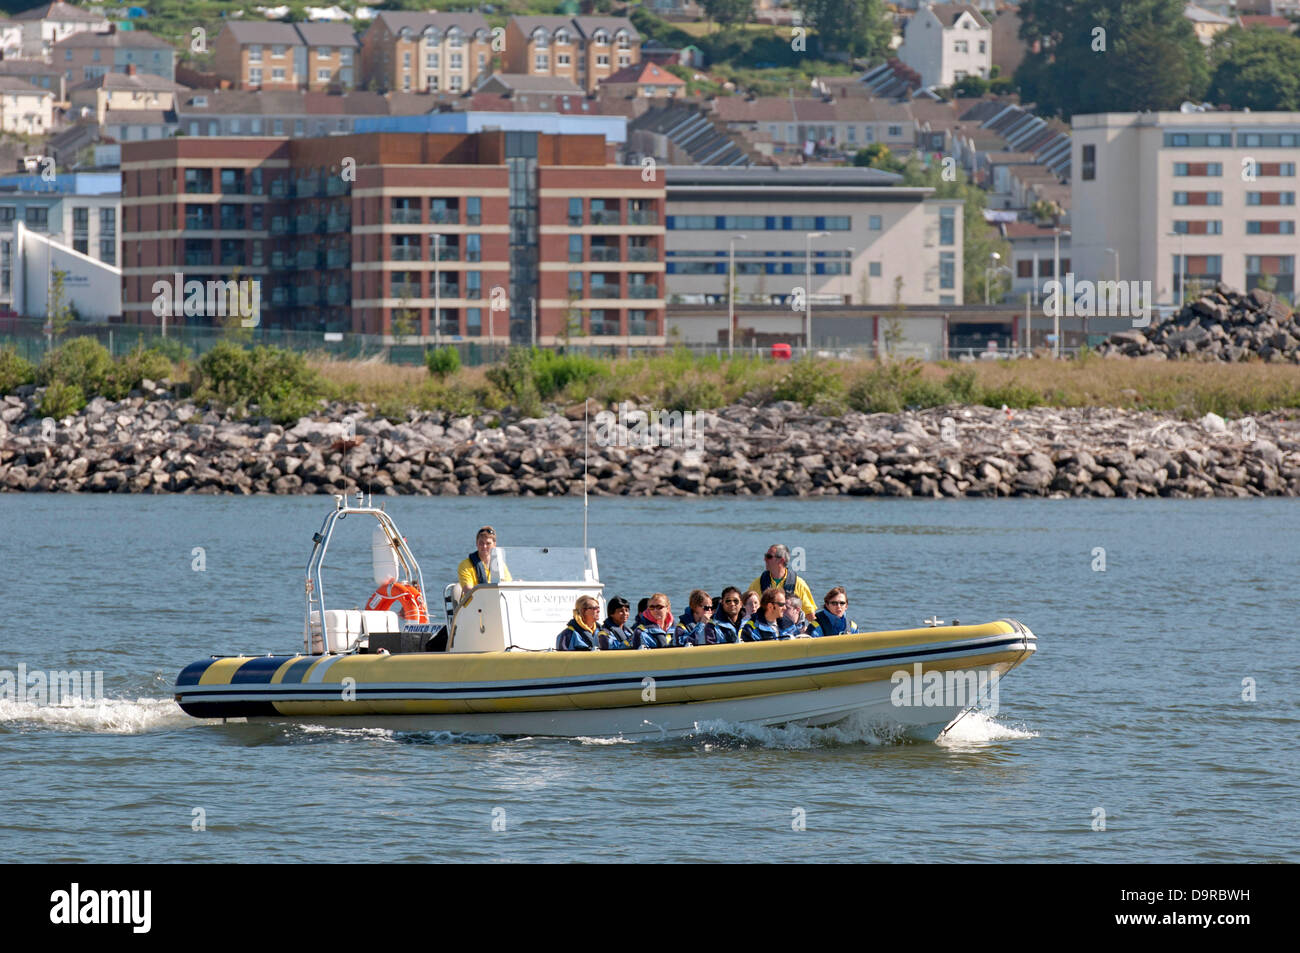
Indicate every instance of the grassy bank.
{"type": "Point", "coordinates": [284, 384]}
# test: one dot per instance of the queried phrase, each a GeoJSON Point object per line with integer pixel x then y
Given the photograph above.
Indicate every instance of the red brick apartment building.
{"type": "Point", "coordinates": [514, 218]}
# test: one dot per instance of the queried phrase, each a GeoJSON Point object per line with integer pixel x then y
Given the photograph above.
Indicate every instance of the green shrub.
{"type": "Point", "coordinates": [442, 362]}
{"type": "Point", "coordinates": [921, 393]}
{"type": "Point", "coordinates": [809, 382]}
{"type": "Point", "coordinates": [963, 386]}
{"type": "Point", "coordinates": [692, 392]}
{"type": "Point", "coordinates": [513, 377]}
{"type": "Point", "coordinates": [884, 388]}
{"type": "Point", "coordinates": [174, 349]}
{"type": "Point", "coordinates": [132, 368]}
{"type": "Point", "coordinates": [62, 399]}
{"type": "Point", "coordinates": [15, 370]}
{"type": "Point", "coordinates": [1013, 395]}
{"type": "Point", "coordinates": [553, 372]}
{"type": "Point", "coordinates": [83, 363]}
{"type": "Point", "coordinates": [276, 380]}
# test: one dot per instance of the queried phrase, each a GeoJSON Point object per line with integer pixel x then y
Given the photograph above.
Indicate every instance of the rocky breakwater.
{"type": "Point", "coordinates": [1221, 325]}
{"type": "Point", "coordinates": [154, 444]}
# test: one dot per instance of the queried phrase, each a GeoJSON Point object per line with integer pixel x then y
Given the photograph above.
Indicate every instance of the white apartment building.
{"type": "Point", "coordinates": [946, 42]}
{"type": "Point", "coordinates": [24, 108]}
{"type": "Point", "coordinates": [1187, 198]}
{"type": "Point", "coordinates": [870, 231]}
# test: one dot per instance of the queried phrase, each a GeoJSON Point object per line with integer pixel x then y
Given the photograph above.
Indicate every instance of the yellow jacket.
{"type": "Point", "coordinates": [801, 591]}
{"type": "Point", "coordinates": [468, 578]}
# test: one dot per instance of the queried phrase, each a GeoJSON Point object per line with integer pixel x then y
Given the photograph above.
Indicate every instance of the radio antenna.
{"type": "Point", "coordinates": [585, 405]}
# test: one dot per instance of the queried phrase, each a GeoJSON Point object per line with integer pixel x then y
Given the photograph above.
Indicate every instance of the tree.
{"type": "Point", "coordinates": [855, 27]}
{"type": "Point", "coordinates": [893, 333]}
{"type": "Point", "coordinates": [1096, 56]}
{"type": "Point", "coordinates": [728, 12]}
{"type": "Point", "coordinates": [1256, 69]}
{"type": "Point", "coordinates": [877, 156]}
{"type": "Point", "coordinates": [59, 312]}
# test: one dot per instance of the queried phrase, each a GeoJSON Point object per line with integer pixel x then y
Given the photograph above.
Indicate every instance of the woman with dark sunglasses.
{"type": "Point", "coordinates": [651, 626]}
{"type": "Point", "coordinates": [728, 616]}
{"type": "Point", "coordinates": [833, 619]}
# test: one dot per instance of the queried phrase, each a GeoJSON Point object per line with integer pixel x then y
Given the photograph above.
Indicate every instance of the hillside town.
{"type": "Point", "coordinates": [624, 176]}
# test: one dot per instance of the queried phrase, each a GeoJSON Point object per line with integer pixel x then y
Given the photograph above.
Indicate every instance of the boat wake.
{"type": "Point", "coordinates": [980, 727]}
{"type": "Point", "coordinates": [117, 716]}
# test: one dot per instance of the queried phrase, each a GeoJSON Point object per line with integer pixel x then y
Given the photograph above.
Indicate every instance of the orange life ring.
{"type": "Point", "coordinates": [411, 603]}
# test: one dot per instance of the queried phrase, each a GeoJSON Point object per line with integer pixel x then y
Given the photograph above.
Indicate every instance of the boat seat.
{"type": "Point", "coordinates": [373, 622]}
{"type": "Point", "coordinates": [343, 627]}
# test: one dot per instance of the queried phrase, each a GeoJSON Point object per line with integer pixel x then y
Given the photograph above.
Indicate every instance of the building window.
{"type": "Point", "coordinates": [873, 223]}
{"type": "Point", "coordinates": [1199, 198]}
{"type": "Point", "coordinates": [947, 226]}
{"type": "Point", "coordinates": [6, 214]}
{"type": "Point", "coordinates": [602, 59]}
{"type": "Point", "coordinates": [277, 52]}
{"type": "Point", "coordinates": [1089, 163]}
{"type": "Point", "coordinates": [255, 76]}
{"type": "Point", "coordinates": [1274, 273]}
{"type": "Point", "coordinates": [457, 82]}
{"type": "Point", "coordinates": [575, 211]}
{"type": "Point", "coordinates": [561, 59]}
{"type": "Point", "coordinates": [961, 46]}
{"type": "Point", "coordinates": [433, 84]}
{"type": "Point", "coordinates": [575, 248]}
{"type": "Point", "coordinates": [1270, 198]}
{"type": "Point", "coordinates": [1278, 227]}
{"type": "Point", "coordinates": [324, 52]}
{"type": "Point", "coordinates": [255, 53]}
{"type": "Point", "coordinates": [108, 251]}
{"type": "Point", "coordinates": [1265, 139]}
{"type": "Point", "coordinates": [984, 46]}
{"type": "Point", "coordinates": [541, 62]}
{"type": "Point", "coordinates": [457, 61]}
{"type": "Point", "coordinates": [474, 211]}
{"type": "Point", "coordinates": [406, 60]}
{"type": "Point", "coordinates": [474, 321]}
{"type": "Point", "coordinates": [198, 181]}
{"type": "Point", "coordinates": [277, 75]}
{"type": "Point", "coordinates": [895, 131]}
{"type": "Point", "coordinates": [473, 247]}
{"type": "Point", "coordinates": [1202, 227]}
{"type": "Point", "coordinates": [640, 324]}
{"type": "Point", "coordinates": [947, 269]}
{"type": "Point", "coordinates": [278, 127]}
{"type": "Point", "coordinates": [1198, 168]}
{"type": "Point", "coordinates": [232, 181]}
{"type": "Point", "coordinates": [431, 61]}
{"type": "Point", "coordinates": [575, 283]}
{"type": "Point", "coordinates": [873, 269]}
{"type": "Point", "coordinates": [1194, 140]}
{"type": "Point", "coordinates": [323, 74]}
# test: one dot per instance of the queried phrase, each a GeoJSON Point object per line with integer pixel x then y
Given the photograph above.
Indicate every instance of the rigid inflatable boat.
{"type": "Point", "coordinates": [488, 664]}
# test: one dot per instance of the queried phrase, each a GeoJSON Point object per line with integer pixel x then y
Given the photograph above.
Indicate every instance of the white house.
{"type": "Point", "coordinates": [946, 42]}
{"type": "Point", "coordinates": [25, 108]}
{"type": "Point", "coordinates": [49, 23]}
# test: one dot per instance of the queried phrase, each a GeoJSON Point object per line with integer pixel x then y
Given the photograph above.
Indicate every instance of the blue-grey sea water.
{"type": "Point", "coordinates": [1156, 723]}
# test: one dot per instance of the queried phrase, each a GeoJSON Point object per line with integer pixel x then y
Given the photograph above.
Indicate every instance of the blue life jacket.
{"type": "Point", "coordinates": [789, 583]}
{"type": "Point", "coordinates": [651, 634]}
{"type": "Point", "coordinates": [828, 624]}
{"type": "Point", "coordinates": [790, 629]}
{"type": "Point", "coordinates": [574, 638]}
{"type": "Point", "coordinates": [727, 631]}
{"type": "Point", "coordinates": [614, 636]}
{"type": "Point", "coordinates": [479, 569]}
{"type": "Point", "coordinates": [697, 633]}
{"type": "Point", "coordinates": [757, 630]}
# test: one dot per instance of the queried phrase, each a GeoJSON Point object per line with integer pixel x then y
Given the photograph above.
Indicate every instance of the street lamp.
{"type": "Point", "coordinates": [1056, 274]}
{"type": "Point", "coordinates": [1182, 268]}
{"type": "Point", "coordinates": [848, 275]}
{"type": "Point", "coordinates": [994, 258]}
{"type": "Point", "coordinates": [1112, 251]}
{"type": "Point", "coordinates": [731, 292]}
{"type": "Point", "coordinates": [807, 297]}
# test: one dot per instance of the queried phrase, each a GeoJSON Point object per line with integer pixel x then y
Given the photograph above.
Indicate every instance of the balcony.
{"type": "Point", "coordinates": [642, 218]}
{"type": "Point", "coordinates": [444, 216]}
{"type": "Point", "coordinates": [337, 294]}
{"type": "Point", "coordinates": [279, 189]}
{"type": "Point", "coordinates": [599, 253]}
{"type": "Point", "coordinates": [198, 222]}
{"type": "Point", "coordinates": [642, 253]}
{"type": "Point", "coordinates": [335, 185]}
{"type": "Point", "coordinates": [277, 260]}
{"type": "Point", "coordinates": [405, 216]}
{"type": "Point", "coordinates": [305, 224]}
{"type": "Point", "coordinates": [405, 253]}
{"type": "Point", "coordinates": [642, 291]}
{"type": "Point", "coordinates": [279, 296]}
{"type": "Point", "coordinates": [575, 221]}
{"type": "Point", "coordinates": [306, 296]}
{"type": "Point", "coordinates": [603, 291]}
{"type": "Point", "coordinates": [338, 223]}
{"type": "Point", "coordinates": [197, 259]}
{"type": "Point", "coordinates": [309, 259]}
{"type": "Point", "coordinates": [448, 290]}
{"type": "Point", "coordinates": [338, 258]}
{"type": "Point", "coordinates": [280, 225]}
{"type": "Point", "coordinates": [446, 253]}
{"type": "Point", "coordinates": [605, 218]}
{"type": "Point", "coordinates": [232, 223]}
{"type": "Point", "coordinates": [405, 289]}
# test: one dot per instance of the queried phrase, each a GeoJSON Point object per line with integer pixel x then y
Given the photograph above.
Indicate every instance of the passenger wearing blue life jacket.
{"type": "Point", "coordinates": [728, 616]}
{"type": "Point", "coordinates": [614, 632]}
{"type": "Point", "coordinates": [792, 622]}
{"type": "Point", "coordinates": [833, 618]}
{"type": "Point", "coordinates": [653, 626]}
{"type": "Point", "coordinates": [580, 634]}
{"type": "Point", "coordinates": [700, 630]}
{"type": "Point", "coordinates": [778, 574]}
{"type": "Point", "coordinates": [765, 626]}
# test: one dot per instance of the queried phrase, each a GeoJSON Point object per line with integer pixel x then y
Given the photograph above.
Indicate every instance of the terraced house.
{"type": "Point", "coordinates": [84, 56]}
{"type": "Point", "coordinates": [286, 56]}
{"type": "Point", "coordinates": [426, 52]}
{"type": "Point", "coordinates": [582, 49]}
{"type": "Point", "coordinates": [471, 236]}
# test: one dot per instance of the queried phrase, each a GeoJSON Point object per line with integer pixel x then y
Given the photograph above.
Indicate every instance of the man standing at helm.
{"type": "Point", "coordinates": [476, 568]}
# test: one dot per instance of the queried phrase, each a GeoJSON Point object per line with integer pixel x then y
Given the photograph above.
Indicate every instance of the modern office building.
{"type": "Point", "coordinates": [1187, 199]}
{"type": "Point", "coordinates": [869, 239]}
{"type": "Point", "coordinates": [425, 236]}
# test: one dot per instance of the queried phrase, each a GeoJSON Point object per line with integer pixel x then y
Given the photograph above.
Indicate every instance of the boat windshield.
{"type": "Point", "coordinates": [544, 564]}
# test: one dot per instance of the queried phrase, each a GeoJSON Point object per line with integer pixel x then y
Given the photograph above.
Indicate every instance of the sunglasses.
{"type": "Point", "coordinates": [592, 609]}
{"type": "Point", "coordinates": [706, 608]}
{"type": "Point", "coordinates": [780, 605]}
{"type": "Point", "coordinates": [730, 602]}
{"type": "Point", "coordinates": [838, 602]}
{"type": "Point", "coordinates": [658, 606]}
{"type": "Point", "coordinates": [770, 556]}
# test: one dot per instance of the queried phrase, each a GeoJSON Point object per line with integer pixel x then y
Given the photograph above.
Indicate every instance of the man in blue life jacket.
{"type": "Point", "coordinates": [776, 574]}
{"type": "Point", "coordinates": [698, 628]}
{"type": "Point", "coordinates": [476, 568]}
{"type": "Point", "coordinates": [580, 634]}
{"type": "Point", "coordinates": [651, 625]}
{"type": "Point", "coordinates": [765, 626]}
{"type": "Point", "coordinates": [614, 632]}
{"type": "Point", "coordinates": [833, 618]}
